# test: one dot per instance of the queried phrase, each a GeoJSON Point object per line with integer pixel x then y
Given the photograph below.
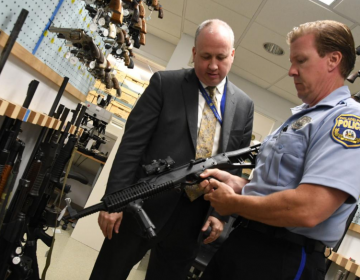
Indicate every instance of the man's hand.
{"type": "Point", "coordinates": [221, 197]}
{"type": "Point", "coordinates": [217, 227]}
{"type": "Point", "coordinates": [236, 182]}
{"type": "Point", "coordinates": [109, 223]}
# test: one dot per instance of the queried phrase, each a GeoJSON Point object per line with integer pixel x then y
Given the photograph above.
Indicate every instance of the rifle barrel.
{"type": "Point", "coordinates": [12, 38]}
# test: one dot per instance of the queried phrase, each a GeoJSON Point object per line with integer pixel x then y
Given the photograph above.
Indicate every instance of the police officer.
{"type": "Point", "coordinates": [305, 183]}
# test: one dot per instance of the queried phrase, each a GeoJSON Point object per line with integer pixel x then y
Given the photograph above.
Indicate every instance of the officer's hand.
{"type": "Point", "coordinates": [221, 198]}
{"type": "Point", "coordinates": [109, 223]}
{"type": "Point", "coordinates": [236, 182]}
{"type": "Point", "coordinates": [217, 227]}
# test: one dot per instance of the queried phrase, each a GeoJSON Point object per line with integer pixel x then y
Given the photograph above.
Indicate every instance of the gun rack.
{"type": "Point", "coordinates": [15, 111]}
{"type": "Point", "coordinates": [346, 263]}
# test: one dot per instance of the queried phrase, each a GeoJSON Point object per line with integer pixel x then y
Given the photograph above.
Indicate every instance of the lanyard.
{"type": "Point", "coordinates": [211, 104]}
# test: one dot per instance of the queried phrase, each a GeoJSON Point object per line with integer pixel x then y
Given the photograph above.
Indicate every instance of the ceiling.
{"type": "Point", "coordinates": [256, 22]}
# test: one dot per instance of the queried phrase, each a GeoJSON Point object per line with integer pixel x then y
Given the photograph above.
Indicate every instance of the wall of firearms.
{"type": "Point", "coordinates": [83, 40]}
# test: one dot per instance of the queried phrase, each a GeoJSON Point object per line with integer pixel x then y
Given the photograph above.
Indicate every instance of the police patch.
{"type": "Point", "coordinates": [346, 130]}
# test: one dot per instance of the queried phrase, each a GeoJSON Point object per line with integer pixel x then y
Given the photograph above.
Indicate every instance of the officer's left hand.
{"type": "Point", "coordinates": [217, 227]}
{"type": "Point", "coordinates": [221, 198]}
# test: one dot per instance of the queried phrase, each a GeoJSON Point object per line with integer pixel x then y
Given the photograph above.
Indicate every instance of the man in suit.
{"type": "Point", "coordinates": [165, 122]}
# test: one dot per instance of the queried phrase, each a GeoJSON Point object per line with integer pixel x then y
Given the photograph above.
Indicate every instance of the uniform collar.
{"type": "Point", "coordinates": [331, 100]}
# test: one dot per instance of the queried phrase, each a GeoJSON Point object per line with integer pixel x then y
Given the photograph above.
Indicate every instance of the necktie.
{"type": "Point", "coordinates": [205, 140]}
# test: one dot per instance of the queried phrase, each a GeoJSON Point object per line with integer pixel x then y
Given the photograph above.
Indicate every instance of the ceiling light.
{"type": "Point", "coordinates": [327, 2]}
{"type": "Point", "coordinates": [273, 49]}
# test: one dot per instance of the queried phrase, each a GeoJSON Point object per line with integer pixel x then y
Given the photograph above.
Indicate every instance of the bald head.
{"type": "Point", "coordinates": [215, 24]}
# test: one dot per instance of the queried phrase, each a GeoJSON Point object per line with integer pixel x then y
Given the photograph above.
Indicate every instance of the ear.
{"type": "Point", "coordinates": [233, 54]}
{"type": "Point", "coordinates": [193, 53]}
{"type": "Point", "coordinates": [334, 60]}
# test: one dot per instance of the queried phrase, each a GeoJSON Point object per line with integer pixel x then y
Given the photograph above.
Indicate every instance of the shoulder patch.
{"type": "Point", "coordinates": [346, 130]}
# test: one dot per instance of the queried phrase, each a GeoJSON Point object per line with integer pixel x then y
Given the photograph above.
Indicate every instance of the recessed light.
{"type": "Point", "coordinates": [273, 49]}
{"type": "Point", "coordinates": [327, 2]}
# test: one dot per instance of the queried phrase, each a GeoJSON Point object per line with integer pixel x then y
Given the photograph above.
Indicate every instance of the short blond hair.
{"type": "Point", "coordinates": [330, 36]}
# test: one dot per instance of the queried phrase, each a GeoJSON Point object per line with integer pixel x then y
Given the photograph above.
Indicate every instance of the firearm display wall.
{"type": "Point", "coordinates": [52, 50]}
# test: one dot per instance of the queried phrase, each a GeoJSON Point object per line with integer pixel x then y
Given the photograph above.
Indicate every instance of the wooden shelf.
{"type": "Point", "coordinates": [354, 227]}
{"type": "Point", "coordinates": [346, 263]}
{"type": "Point", "coordinates": [15, 111]}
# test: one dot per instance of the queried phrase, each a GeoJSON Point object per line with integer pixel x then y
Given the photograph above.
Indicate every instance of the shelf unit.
{"type": "Point", "coordinates": [345, 262]}
{"type": "Point", "coordinates": [131, 90]}
{"type": "Point", "coordinates": [15, 111]}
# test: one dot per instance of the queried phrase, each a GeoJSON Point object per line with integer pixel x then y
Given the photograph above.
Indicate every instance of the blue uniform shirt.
{"type": "Point", "coordinates": [318, 145]}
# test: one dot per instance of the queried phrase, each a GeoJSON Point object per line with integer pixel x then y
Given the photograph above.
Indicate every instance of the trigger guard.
{"type": "Point", "coordinates": [193, 179]}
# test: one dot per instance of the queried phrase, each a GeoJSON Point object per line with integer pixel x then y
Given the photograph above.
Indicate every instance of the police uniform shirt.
{"type": "Point", "coordinates": [318, 145]}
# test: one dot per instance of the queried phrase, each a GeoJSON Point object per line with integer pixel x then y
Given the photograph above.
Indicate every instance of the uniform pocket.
{"type": "Point", "coordinates": [285, 162]}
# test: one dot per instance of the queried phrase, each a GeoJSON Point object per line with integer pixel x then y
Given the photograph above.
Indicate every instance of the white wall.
{"type": "Point", "coordinates": [156, 50]}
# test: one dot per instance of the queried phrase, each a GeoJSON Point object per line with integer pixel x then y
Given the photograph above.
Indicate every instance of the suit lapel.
{"type": "Point", "coordinates": [190, 92]}
{"type": "Point", "coordinates": [228, 117]}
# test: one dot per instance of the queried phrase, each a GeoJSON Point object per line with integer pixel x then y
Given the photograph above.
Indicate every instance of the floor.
{"type": "Point", "coordinates": [72, 260]}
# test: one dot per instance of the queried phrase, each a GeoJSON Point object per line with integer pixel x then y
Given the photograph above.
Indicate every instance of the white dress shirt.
{"type": "Point", "coordinates": [202, 102]}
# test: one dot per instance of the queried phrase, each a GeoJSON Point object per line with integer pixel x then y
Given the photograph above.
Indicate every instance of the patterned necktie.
{"type": "Point", "coordinates": [205, 140]}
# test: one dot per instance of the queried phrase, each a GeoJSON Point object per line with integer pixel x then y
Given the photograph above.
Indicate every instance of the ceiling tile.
{"type": "Point", "coordinates": [243, 7]}
{"type": "Point", "coordinates": [286, 95]}
{"type": "Point", "coordinates": [174, 6]}
{"type": "Point", "coordinates": [248, 76]}
{"type": "Point", "coordinates": [349, 8]}
{"type": "Point", "coordinates": [287, 84]}
{"type": "Point", "coordinates": [163, 35]}
{"type": "Point", "coordinates": [258, 65]}
{"type": "Point", "coordinates": [198, 11]}
{"type": "Point", "coordinates": [255, 38]}
{"type": "Point", "coordinates": [282, 15]}
{"type": "Point", "coordinates": [190, 28]}
{"type": "Point", "coordinates": [171, 23]}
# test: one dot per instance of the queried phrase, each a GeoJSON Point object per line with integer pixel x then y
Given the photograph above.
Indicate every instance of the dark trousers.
{"type": "Point", "coordinates": [172, 251]}
{"type": "Point", "coordinates": [248, 254]}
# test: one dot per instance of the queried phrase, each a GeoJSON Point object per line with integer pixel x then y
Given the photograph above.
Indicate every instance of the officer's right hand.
{"type": "Point", "coordinates": [236, 182]}
{"type": "Point", "coordinates": [109, 223]}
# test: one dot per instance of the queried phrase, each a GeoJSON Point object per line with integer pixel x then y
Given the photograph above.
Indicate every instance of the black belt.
{"type": "Point", "coordinates": [310, 245]}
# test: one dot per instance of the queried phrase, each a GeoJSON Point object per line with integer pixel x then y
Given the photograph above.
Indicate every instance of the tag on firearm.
{"type": "Point", "coordinates": [62, 214]}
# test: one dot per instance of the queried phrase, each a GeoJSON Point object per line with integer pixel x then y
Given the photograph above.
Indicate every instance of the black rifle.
{"type": "Point", "coordinates": [16, 264]}
{"type": "Point", "coordinates": [12, 38]}
{"type": "Point", "coordinates": [163, 178]}
{"type": "Point", "coordinates": [29, 212]}
{"type": "Point", "coordinates": [9, 145]}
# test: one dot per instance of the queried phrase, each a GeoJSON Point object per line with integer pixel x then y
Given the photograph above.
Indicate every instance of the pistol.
{"type": "Point", "coordinates": [79, 39]}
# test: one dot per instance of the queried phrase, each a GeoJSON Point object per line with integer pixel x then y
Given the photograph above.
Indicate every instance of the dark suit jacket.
{"type": "Point", "coordinates": [164, 123]}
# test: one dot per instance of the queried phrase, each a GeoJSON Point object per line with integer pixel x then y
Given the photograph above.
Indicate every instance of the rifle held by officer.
{"type": "Point", "coordinates": [163, 178]}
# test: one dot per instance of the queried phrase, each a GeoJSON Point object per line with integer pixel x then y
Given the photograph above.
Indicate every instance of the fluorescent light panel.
{"type": "Point", "coordinates": [327, 2]}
